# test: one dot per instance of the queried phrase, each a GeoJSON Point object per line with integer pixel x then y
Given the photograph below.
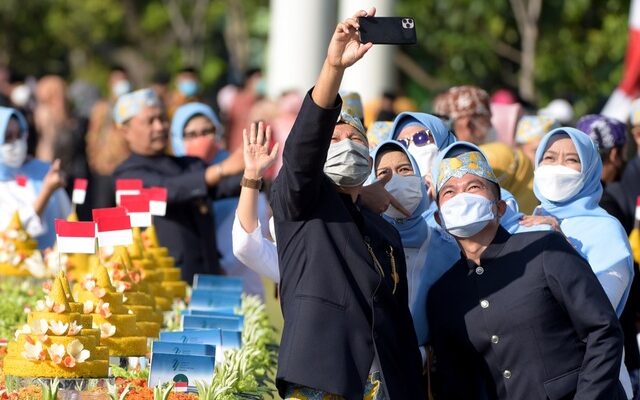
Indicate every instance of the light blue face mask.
{"type": "Point", "coordinates": [188, 87]}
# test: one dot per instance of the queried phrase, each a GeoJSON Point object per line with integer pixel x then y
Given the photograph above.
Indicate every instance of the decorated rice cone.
{"type": "Point", "coordinates": [172, 276]}
{"type": "Point", "coordinates": [117, 324]}
{"type": "Point", "coordinates": [19, 254]}
{"type": "Point", "coordinates": [142, 304]}
{"type": "Point", "coordinates": [54, 344]}
{"type": "Point", "coordinates": [142, 261]}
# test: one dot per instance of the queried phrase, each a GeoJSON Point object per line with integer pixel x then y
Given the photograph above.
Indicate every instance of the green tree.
{"type": "Point", "coordinates": [578, 53]}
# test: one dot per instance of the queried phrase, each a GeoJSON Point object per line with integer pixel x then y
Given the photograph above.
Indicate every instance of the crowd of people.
{"type": "Point", "coordinates": [480, 251]}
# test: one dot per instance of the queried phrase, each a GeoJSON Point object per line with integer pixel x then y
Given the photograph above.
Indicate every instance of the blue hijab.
{"type": "Point", "coordinates": [180, 118]}
{"type": "Point", "coordinates": [441, 135]}
{"type": "Point", "coordinates": [413, 230]}
{"type": "Point", "coordinates": [441, 250]}
{"type": "Point", "coordinates": [596, 235]}
{"type": "Point", "coordinates": [35, 171]}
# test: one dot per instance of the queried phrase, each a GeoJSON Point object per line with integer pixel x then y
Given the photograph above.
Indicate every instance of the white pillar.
{"type": "Point", "coordinates": [299, 32]}
{"type": "Point", "coordinates": [376, 72]}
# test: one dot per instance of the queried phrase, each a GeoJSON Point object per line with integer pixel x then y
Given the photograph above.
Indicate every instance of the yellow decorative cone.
{"type": "Point", "coordinates": [172, 281]}
{"type": "Point", "coordinates": [54, 344]}
{"type": "Point", "coordinates": [117, 324]}
{"type": "Point", "coordinates": [19, 254]}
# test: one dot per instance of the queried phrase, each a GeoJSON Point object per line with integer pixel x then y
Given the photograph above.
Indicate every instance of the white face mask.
{"type": "Point", "coordinates": [13, 154]}
{"type": "Point", "coordinates": [557, 182]}
{"type": "Point", "coordinates": [347, 163]}
{"type": "Point", "coordinates": [424, 156]}
{"type": "Point", "coordinates": [121, 87]}
{"type": "Point", "coordinates": [407, 190]}
{"type": "Point", "coordinates": [466, 214]}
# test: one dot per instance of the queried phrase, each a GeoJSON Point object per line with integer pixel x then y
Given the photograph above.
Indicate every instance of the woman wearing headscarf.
{"type": "Point", "coordinates": [514, 172]}
{"type": "Point", "coordinates": [29, 186]}
{"type": "Point", "coordinates": [194, 131]}
{"type": "Point", "coordinates": [429, 252]}
{"type": "Point", "coordinates": [529, 132]}
{"type": "Point", "coordinates": [567, 183]}
{"type": "Point", "coordinates": [423, 135]}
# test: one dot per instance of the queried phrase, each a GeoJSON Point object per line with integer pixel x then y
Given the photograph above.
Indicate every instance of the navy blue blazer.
{"type": "Point", "coordinates": [340, 308]}
{"type": "Point", "coordinates": [188, 227]}
{"type": "Point", "coordinates": [530, 322]}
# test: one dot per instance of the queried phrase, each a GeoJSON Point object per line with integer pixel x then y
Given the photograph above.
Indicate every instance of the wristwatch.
{"type": "Point", "coordinates": [251, 183]}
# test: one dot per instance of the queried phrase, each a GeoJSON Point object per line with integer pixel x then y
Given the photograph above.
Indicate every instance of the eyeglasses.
{"type": "Point", "coordinates": [421, 138]}
{"type": "Point", "coordinates": [204, 132]}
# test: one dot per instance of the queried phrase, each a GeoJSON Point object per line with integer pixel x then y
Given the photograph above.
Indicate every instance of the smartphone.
{"type": "Point", "coordinates": [387, 30]}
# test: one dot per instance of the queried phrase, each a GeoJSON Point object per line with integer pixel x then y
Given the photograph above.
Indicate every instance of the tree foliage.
{"type": "Point", "coordinates": [579, 52]}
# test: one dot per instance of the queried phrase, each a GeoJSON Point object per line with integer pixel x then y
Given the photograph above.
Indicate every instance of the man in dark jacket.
{"type": "Point", "coordinates": [518, 316]}
{"type": "Point", "coordinates": [347, 327]}
{"type": "Point", "coordinates": [187, 229]}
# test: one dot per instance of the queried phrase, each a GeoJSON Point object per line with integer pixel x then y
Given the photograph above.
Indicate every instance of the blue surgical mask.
{"type": "Point", "coordinates": [188, 87]}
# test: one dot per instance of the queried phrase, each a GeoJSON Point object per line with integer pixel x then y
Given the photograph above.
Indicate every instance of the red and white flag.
{"type": "Point", "coordinates": [157, 200]}
{"type": "Point", "coordinates": [76, 237]}
{"type": "Point", "coordinates": [137, 207]}
{"type": "Point", "coordinates": [79, 194]}
{"type": "Point", "coordinates": [21, 180]}
{"type": "Point", "coordinates": [98, 213]}
{"type": "Point", "coordinates": [619, 104]}
{"type": "Point", "coordinates": [638, 209]}
{"type": "Point", "coordinates": [127, 187]}
{"type": "Point", "coordinates": [114, 231]}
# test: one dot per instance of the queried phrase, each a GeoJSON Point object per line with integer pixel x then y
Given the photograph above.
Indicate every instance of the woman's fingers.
{"type": "Point", "coordinates": [267, 136]}
{"type": "Point", "coordinates": [252, 134]}
{"type": "Point", "coordinates": [274, 151]}
{"type": "Point", "coordinates": [245, 138]}
{"type": "Point", "coordinates": [260, 138]}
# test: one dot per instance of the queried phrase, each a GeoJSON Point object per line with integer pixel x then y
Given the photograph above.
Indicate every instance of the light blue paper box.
{"type": "Point", "coordinates": [230, 322]}
{"type": "Point", "coordinates": [189, 349]}
{"type": "Point", "coordinates": [208, 300]}
{"type": "Point", "coordinates": [218, 312]}
{"type": "Point", "coordinates": [216, 281]}
{"type": "Point", "coordinates": [184, 370]}
{"type": "Point", "coordinates": [205, 336]}
{"type": "Point", "coordinates": [231, 339]}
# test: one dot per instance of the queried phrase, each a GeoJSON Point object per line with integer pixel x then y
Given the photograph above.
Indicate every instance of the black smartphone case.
{"type": "Point", "coordinates": [387, 30]}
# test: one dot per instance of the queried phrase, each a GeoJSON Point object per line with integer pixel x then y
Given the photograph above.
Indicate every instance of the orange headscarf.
{"type": "Point", "coordinates": [514, 172]}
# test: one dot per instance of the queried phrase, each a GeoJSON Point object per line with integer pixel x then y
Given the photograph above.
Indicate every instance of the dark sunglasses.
{"type": "Point", "coordinates": [421, 138]}
{"type": "Point", "coordinates": [195, 134]}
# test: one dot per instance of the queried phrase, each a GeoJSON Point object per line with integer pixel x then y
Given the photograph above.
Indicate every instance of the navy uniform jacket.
{"type": "Point", "coordinates": [530, 322]}
{"type": "Point", "coordinates": [188, 227]}
{"type": "Point", "coordinates": [339, 307]}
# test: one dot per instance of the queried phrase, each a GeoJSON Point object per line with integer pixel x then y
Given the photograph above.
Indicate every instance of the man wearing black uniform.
{"type": "Point", "coordinates": [518, 316]}
{"type": "Point", "coordinates": [347, 327]}
{"type": "Point", "coordinates": [187, 229]}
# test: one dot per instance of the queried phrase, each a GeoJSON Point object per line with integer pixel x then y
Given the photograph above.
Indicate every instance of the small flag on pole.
{"type": "Point", "coordinates": [98, 213]}
{"type": "Point", "coordinates": [157, 200]}
{"type": "Point", "coordinates": [127, 187]}
{"type": "Point", "coordinates": [79, 193]}
{"type": "Point", "coordinates": [114, 231]}
{"type": "Point", "coordinates": [76, 237]}
{"type": "Point", "coordinates": [137, 207]}
{"type": "Point", "coordinates": [638, 209]}
{"type": "Point", "coordinates": [21, 180]}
